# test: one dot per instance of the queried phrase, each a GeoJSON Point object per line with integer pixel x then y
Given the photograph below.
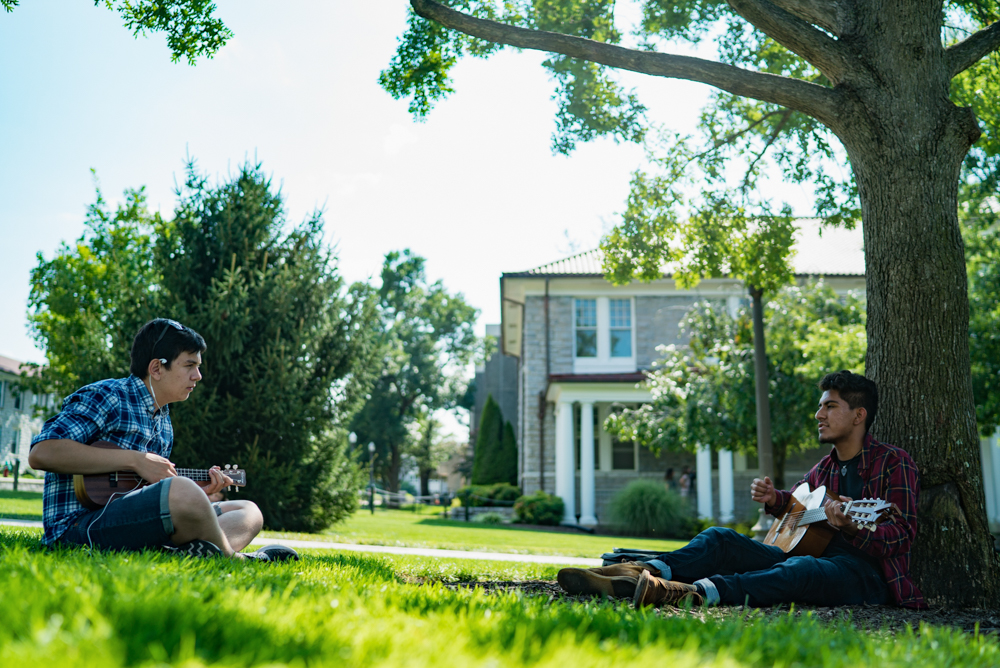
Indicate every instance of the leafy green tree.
{"type": "Point", "coordinates": [89, 300]}
{"type": "Point", "coordinates": [430, 449]}
{"type": "Point", "coordinates": [425, 341]}
{"type": "Point", "coordinates": [703, 393]}
{"type": "Point", "coordinates": [807, 87]}
{"type": "Point", "coordinates": [288, 350]}
{"type": "Point", "coordinates": [982, 249]}
{"type": "Point", "coordinates": [192, 31]}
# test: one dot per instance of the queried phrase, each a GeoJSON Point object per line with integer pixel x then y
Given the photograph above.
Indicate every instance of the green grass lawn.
{"type": "Point", "coordinates": [422, 529]}
{"type": "Point", "coordinates": [20, 505]}
{"type": "Point", "coordinates": [72, 608]}
{"type": "Point", "coordinates": [406, 529]}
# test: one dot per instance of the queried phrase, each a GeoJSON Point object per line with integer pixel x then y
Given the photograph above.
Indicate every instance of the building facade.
{"type": "Point", "coordinates": [18, 421]}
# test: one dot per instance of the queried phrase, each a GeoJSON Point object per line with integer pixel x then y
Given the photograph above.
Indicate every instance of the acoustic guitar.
{"type": "Point", "coordinates": [95, 491]}
{"type": "Point", "coordinates": [803, 531]}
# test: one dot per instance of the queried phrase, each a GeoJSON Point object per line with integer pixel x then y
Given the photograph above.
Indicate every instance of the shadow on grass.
{"type": "Point", "coordinates": [21, 496]}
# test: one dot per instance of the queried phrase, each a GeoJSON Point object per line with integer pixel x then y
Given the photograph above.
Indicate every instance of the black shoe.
{"type": "Point", "coordinates": [273, 553]}
{"type": "Point", "coordinates": [196, 548]}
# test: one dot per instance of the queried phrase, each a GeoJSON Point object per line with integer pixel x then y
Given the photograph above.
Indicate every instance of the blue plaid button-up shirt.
{"type": "Point", "coordinates": [120, 411]}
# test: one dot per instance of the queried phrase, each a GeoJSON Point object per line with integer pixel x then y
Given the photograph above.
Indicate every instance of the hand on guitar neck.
{"type": "Point", "coordinates": [154, 468]}
{"type": "Point", "coordinates": [838, 520]}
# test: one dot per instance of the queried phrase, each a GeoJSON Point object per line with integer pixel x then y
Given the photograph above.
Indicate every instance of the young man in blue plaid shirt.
{"type": "Point", "coordinates": [171, 512]}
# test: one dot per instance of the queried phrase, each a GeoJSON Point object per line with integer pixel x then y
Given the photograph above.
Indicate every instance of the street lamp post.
{"type": "Point", "coordinates": [371, 477]}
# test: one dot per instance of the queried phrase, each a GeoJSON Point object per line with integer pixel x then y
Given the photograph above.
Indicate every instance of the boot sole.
{"type": "Point", "coordinates": [580, 581]}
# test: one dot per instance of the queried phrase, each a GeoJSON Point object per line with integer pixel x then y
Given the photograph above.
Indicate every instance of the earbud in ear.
{"type": "Point", "coordinates": [162, 361]}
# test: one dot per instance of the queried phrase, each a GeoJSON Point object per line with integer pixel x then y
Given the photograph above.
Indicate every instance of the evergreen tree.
{"type": "Point", "coordinates": [486, 455]}
{"type": "Point", "coordinates": [287, 350]}
{"type": "Point", "coordinates": [506, 461]}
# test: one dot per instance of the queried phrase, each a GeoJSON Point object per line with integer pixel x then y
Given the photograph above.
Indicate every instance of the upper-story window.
{"type": "Point", "coordinates": [621, 327]}
{"type": "Point", "coordinates": [586, 328]}
{"type": "Point", "coordinates": [603, 335]}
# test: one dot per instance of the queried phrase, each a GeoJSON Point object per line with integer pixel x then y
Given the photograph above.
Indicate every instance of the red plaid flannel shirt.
{"type": "Point", "coordinates": [888, 474]}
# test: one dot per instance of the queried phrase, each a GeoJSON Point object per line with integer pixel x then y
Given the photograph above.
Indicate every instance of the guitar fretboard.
{"type": "Point", "coordinates": [194, 474]}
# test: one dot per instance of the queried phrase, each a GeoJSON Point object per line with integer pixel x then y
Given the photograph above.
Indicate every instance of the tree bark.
{"type": "Point", "coordinates": [765, 450]}
{"type": "Point", "coordinates": [906, 142]}
{"type": "Point", "coordinates": [425, 481]}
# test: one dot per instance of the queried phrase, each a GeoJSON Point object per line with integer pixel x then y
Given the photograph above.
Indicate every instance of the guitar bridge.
{"type": "Point", "coordinates": [113, 479]}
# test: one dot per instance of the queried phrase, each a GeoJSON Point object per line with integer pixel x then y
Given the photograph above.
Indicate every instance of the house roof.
{"type": "Point", "coordinates": [817, 251]}
{"type": "Point", "coordinates": [10, 365]}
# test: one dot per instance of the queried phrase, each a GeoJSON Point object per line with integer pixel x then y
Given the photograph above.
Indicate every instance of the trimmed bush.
{"type": "Point", "coordinates": [500, 494]}
{"type": "Point", "coordinates": [539, 508]}
{"type": "Point", "coordinates": [490, 518]}
{"type": "Point", "coordinates": [647, 508]}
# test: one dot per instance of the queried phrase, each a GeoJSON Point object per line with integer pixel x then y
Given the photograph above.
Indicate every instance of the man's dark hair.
{"type": "Point", "coordinates": [856, 390]}
{"type": "Point", "coordinates": [162, 338]}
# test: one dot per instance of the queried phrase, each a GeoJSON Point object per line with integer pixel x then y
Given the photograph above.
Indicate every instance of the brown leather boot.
{"type": "Point", "coordinates": [651, 590]}
{"type": "Point", "coordinates": [615, 580]}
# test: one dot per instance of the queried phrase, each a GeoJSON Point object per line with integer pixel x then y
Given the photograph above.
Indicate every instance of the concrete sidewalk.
{"type": "Point", "coordinates": [386, 549]}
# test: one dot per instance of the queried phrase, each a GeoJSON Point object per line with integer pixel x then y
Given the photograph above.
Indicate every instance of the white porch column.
{"type": "Point", "coordinates": [565, 474]}
{"type": "Point", "coordinates": [587, 497]}
{"type": "Point", "coordinates": [704, 480]}
{"type": "Point", "coordinates": [726, 498]}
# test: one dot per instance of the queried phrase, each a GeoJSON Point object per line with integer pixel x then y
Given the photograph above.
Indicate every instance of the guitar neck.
{"type": "Point", "coordinates": [812, 516]}
{"type": "Point", "coordinates": [194, 474]}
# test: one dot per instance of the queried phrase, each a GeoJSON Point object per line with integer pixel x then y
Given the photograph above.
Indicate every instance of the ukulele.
{"type": "Point", "coordinates": [803, 531]}
{"type": "Point", "coordinates": [95, 491]}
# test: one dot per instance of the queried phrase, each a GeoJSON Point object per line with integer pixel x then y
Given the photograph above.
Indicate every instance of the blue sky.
{"type": "Point", "coordinates": [475, 189]}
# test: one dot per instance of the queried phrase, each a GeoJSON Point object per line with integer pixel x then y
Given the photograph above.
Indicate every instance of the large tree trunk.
{"type": "Point", "coordinates": [906, 142]}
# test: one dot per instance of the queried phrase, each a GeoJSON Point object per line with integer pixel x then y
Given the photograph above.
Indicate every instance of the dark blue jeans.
{"type": "Point", "coordinates": [745, 571]}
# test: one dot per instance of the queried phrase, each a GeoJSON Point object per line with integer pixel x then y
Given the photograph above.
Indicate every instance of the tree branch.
{"type": "Point", "coordinates": [967, 53]}
{"type": "Point", "coordinates": [823, 13]}
{"type": "Point", "coordinates": [797, 36]}
{"type": "Point", "coordinates": [809, 98]}
{"type": "Point", "coordinates": [773, 138]}
{"type": "Point", "coordinates": [733, 136]}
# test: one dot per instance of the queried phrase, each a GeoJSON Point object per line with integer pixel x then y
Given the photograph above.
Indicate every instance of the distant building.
{"type": "Point", "coordinates": [17, 415]}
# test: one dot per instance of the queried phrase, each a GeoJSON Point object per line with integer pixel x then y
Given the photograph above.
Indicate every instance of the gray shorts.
{"type": "Point", "coordinates": [132, 522]}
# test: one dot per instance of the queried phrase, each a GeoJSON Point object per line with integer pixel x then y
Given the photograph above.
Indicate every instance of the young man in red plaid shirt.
{"type": "Point", "coordinates": [720, 566]}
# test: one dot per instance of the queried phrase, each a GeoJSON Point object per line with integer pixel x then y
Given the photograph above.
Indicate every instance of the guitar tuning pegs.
{"type": "Point", "coordinates": [236, 466]}
{"type": "Point", "coordinates": [227, 467]}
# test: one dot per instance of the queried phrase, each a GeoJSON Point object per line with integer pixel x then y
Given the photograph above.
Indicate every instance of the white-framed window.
{"type": "Point", "coordinates": [585, 319]}
{"type": "Point", "coordinates": [620, 327]}
{"type": "Point", "coordinates": [603, 334]}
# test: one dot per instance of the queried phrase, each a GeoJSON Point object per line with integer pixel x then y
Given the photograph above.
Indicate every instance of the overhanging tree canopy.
{"type": "Point", "coordinates": [892, 86]}
{"type": "Point", "coordinates": [192, 31]}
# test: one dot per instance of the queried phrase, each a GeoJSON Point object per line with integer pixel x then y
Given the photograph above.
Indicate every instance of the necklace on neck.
{"type": "Point", "coordinates": [844, 465]}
